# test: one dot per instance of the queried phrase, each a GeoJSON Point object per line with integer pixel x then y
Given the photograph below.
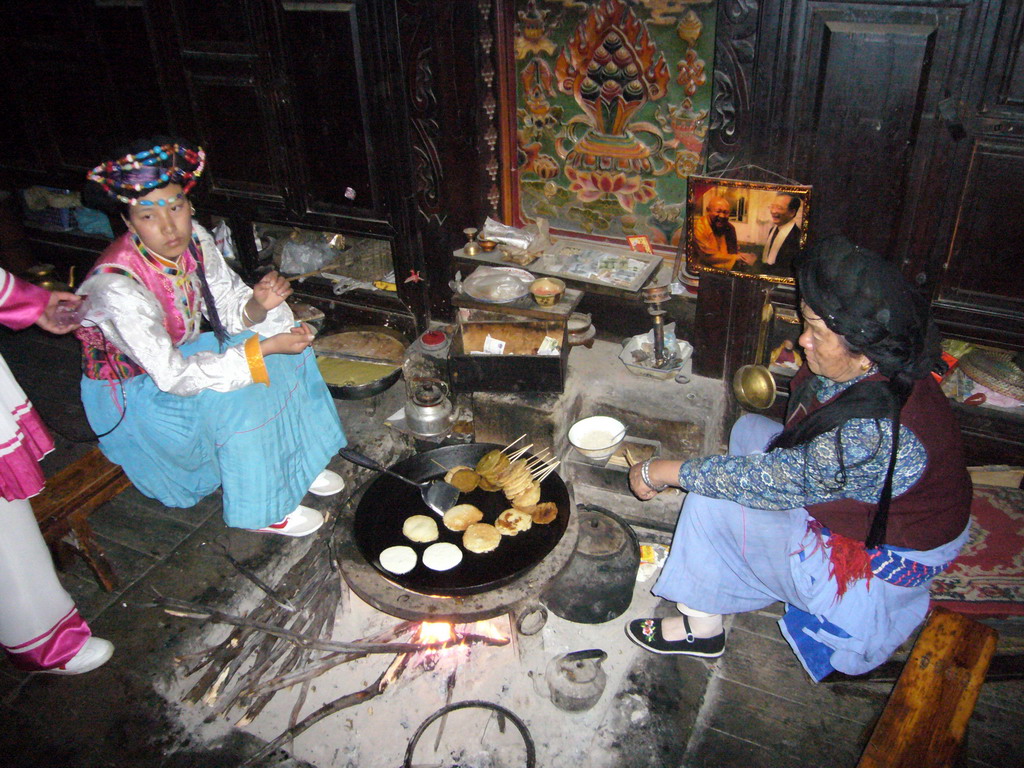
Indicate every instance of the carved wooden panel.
{"type": "Point", "coordinates": [75, 85]}
{"type": "Point", "coordinates": [1005, 83]}
{"type": "Point", "coordinates": [866, 104]}
{"type": "Point", "coordinates": [322, 95]}
{"type": "Point", "coordinates": [233, 128]}
{"type": "Point", "coordinates": [736, 38]}
{"type": "Point", "coordinates": [981, 292]}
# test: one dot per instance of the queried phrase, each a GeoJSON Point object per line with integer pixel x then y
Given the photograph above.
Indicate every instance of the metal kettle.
{"type": "Point", "coordinates": [576, 680]}
{"type": "Point", "coordinates": [429, 411]}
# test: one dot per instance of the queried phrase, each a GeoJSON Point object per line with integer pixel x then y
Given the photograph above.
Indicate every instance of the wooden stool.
{"type": "Point", "coordinates": [925, 720]}
{"type": "Point", "coordinates": [65, 504]}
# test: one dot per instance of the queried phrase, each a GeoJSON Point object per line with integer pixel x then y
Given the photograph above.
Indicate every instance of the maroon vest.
{"type": "Point", "coordinates": [936, 508]}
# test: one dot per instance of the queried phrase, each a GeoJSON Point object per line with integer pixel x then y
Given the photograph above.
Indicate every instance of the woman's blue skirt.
{"type": "Point", "coordinates": [264, 445]}
{"type": "Point", "coordinates": [728, 558]}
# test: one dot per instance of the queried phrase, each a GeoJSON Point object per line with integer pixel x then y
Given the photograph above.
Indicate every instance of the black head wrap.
{"type": "Point", "coordinates": [865, 299]}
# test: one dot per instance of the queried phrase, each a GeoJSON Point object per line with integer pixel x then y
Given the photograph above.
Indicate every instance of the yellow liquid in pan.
{"type": "Point", "coordinates": [349, 373]}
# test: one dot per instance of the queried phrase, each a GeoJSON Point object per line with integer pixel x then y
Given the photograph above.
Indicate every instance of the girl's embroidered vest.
{"type": "Point", "coordinates": [103, 360]}
{"type": "Point", "coordinates": [936, 508]}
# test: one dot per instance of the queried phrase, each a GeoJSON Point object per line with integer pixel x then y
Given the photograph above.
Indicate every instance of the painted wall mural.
{"type": "Point", "coordinates": [613, 98]}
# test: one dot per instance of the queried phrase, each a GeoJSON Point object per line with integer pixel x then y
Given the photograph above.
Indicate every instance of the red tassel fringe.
{"type": "Point", "coordinates": [848, 562]}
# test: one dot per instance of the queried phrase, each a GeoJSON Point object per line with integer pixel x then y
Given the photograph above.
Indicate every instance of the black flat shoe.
{"type": "Point", "coordinates": [647, 634]}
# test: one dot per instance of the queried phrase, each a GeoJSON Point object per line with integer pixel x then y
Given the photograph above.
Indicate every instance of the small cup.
{"type": "Point", "coordinates": [487, 245]}
{"type": "Point", "coordinates": [547, 291]}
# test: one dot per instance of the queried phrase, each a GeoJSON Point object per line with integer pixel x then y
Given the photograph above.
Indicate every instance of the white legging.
{"type": "Point", "coordinates": [32, 599]}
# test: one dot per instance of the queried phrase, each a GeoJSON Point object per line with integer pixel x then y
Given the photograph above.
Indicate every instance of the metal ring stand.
{"type": "Point", "coordinates": [531, 750]}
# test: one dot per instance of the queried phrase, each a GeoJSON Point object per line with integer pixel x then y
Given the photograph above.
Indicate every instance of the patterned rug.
{"type": "Point", "coordinates": [988, 576]}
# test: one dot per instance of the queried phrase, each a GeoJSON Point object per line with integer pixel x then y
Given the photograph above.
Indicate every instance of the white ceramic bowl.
{"type": "Point", "coordinates": [597, 437]}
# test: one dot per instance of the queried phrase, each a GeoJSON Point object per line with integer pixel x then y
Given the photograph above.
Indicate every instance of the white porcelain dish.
{"type": "Point", "coordinates": [597, 437]}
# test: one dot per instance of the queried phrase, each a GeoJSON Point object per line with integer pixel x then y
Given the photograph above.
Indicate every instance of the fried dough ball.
{"type": "Point", "coordinates": [543, 513]}
{"type": "Point", "coordinates": [442, 556]}
{"type": "Point", "coordinates": [400, 559]}
{"type": "Point", "coordinates": [461, 516]}
{"type": "Point", "coordinates": [512, 521]}
{"type": "Point", "coordinates": [465, 480]}
{"type": "Point", "coordinates": [420, 528]}
{"type": "Point", "coordinates": [481, 538]}
{"type": "Point", "coordinates": [487, 485]}
{"type": "Point", "coordinates": [527, 498]}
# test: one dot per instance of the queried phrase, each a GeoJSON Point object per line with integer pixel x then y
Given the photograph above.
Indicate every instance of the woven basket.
{"type": "Point", "coordinates": [996, 371]}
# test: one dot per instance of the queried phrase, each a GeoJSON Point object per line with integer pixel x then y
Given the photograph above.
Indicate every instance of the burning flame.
{"type": "Point", "coordinates": [444, 636]}
{"type": "Point", "coordinates": [443, 633]}
{"type": "Point", "coordinates": [490, 628]}
{"type": "Point", "coordinates": [436, 632]}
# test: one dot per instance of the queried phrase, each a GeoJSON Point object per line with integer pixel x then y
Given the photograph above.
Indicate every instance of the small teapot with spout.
{"type": "Point", "coordinates": [429, 411]}
{"type": "Point", "coordinates": [576, 680]}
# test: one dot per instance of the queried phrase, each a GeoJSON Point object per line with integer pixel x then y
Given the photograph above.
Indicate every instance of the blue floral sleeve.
{"type": "Point", "coordinates": [787, 478]}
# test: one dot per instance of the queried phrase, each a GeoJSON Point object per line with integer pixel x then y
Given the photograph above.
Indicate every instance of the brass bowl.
{"type": "Point", "coordinates": [488, 245]}
{"type": "Point", "coordinates": [754, 387]}
{"type": "Point", "coordinates": [547, 291]}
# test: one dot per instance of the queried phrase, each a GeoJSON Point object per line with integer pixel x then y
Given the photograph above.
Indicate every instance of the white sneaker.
{"type": "Point", "coordinates": [301, 521]}
{"type": "Point", "coordinates": [95, 653]}
{"type": "Point", "coordinates": [327, 483]}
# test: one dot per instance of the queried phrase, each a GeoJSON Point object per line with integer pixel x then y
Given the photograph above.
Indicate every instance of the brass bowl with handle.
{"type": "Point", "coordinates": [754, 387]}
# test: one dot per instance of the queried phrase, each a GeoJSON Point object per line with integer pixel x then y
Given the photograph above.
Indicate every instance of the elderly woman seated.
{"type": "Point", "coordinates": [847, 511]}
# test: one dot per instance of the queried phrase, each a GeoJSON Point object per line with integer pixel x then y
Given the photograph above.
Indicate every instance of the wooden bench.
{"type": "Point", "coordinates": [63, 508]}
{"type": "Point", "coordinates": [925, 720]}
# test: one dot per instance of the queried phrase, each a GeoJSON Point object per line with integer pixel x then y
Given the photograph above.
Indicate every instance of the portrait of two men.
{"type": "Point", "coordinates": [750, 229]}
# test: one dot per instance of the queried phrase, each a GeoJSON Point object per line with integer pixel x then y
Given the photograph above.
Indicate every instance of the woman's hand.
{"type": "Point", "coordinates": [661, 472]}
{"type": "Point", "coordinates": [48, 321]}
{"type": "Point", "coordinates": [291, 343]}
{"type": "Point", "coordinates": [271, 291]}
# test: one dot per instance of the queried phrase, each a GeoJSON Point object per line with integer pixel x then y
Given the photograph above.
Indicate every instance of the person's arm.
{"type": "Point", "coordinates": [236, 302]}
{"type": "Point", "coordinates": [132, 320]}
{"type": "Point", "coordinates": [713, 250]}
{"type": "Point", "coordinates": [795, 477]}
{"type": "Point", "coordinates": [21, 302]}
{"type": "Point", "coordinates": [706, 241]}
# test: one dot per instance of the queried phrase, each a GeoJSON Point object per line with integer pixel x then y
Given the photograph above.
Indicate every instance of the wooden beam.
{"type": "Point", "coordinates": [924, 722]}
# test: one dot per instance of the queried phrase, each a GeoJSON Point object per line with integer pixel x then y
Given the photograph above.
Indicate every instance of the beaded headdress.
{"type": "Point", "coordinates": [135, 175]}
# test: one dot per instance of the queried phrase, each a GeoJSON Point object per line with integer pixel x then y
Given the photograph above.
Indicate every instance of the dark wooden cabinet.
{"type": "Point", "coordinates": [907, 118]}
{"type": "Point", "coordinates": [74, 74]}
{"type": "Point", "coordinates": [979, 278]}
{"type": "Point", "coordinates": [357, 117]}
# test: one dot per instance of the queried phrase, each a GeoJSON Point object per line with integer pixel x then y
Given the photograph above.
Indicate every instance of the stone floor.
{"type": "Point", "coordinates": [752, 707]}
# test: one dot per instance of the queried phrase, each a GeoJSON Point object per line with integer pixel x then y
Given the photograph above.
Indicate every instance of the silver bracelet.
{"type": "Point", "coordinates": [245, 315]}
{"type": "Point", "coordinates": [644, 474]}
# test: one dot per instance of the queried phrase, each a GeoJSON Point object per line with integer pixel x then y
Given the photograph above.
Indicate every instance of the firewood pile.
{"type": "Point", "coordinates": [284, 644]}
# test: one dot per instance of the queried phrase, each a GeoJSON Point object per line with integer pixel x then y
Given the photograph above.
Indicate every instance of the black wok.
{"type": "Point", "coordinates": [387, 503]}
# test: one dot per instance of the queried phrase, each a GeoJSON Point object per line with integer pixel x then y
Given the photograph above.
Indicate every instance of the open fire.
{"type": "Point", "coordinates": [444, 637]}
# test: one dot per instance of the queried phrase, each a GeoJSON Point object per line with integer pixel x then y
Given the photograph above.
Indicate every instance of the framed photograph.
{"type": "Point", "coordinates": [782, 352]}
{"type": "Point", "coordinates": [747, 228]}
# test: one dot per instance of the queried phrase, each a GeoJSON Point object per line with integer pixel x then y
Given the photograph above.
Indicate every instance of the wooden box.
{"type": "Point", "coordinates": [522, 327]}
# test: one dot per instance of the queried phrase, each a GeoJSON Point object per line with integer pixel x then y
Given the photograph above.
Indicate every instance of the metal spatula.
{"type": "Point", "coordinates": [437, 494]}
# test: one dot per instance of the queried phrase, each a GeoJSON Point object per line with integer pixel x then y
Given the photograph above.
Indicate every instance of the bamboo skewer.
{"type": "Point", "coordinates": [513, 442]}
{"type": "Point", "coordinates": [539, 458]}
{"type": "Point", "coordinates": [548, 471]}
{"type": "Point", "coordinates": [520, 452]}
